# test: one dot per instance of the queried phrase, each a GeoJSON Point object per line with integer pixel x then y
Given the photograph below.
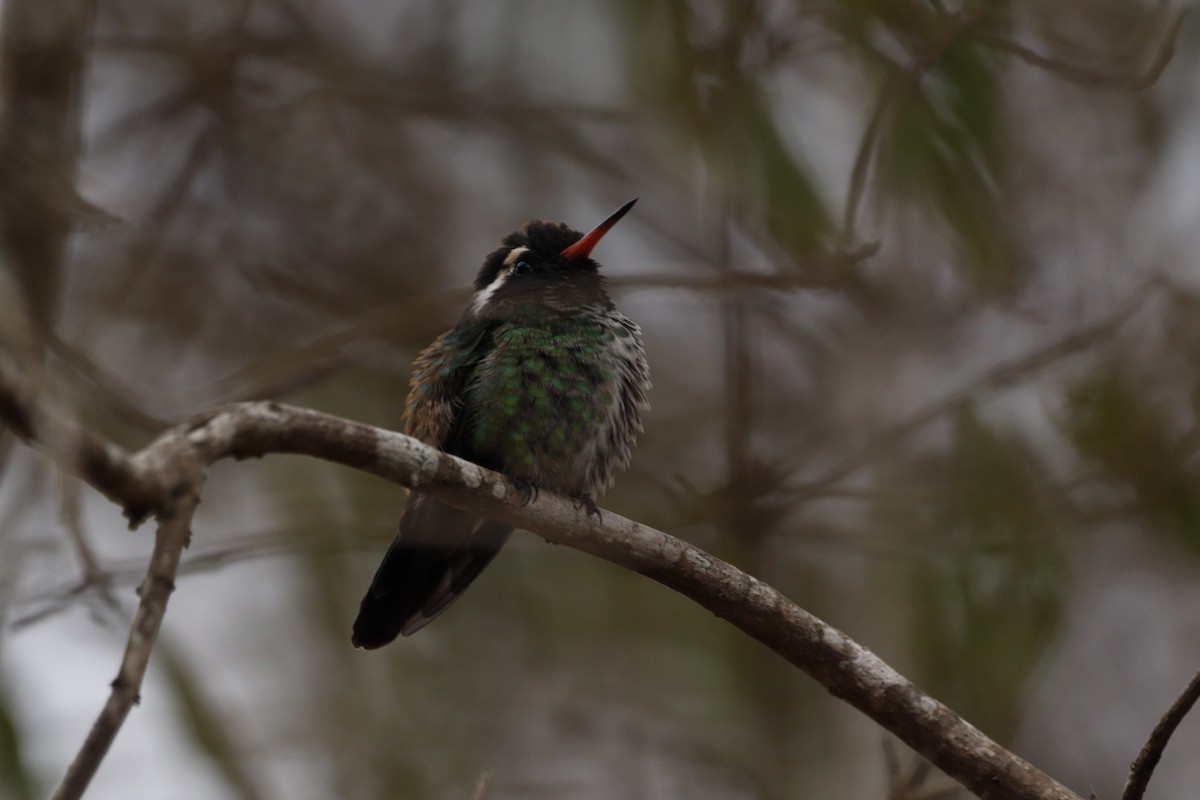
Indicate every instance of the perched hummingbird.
{"type": "Point", "coordinates": [542, 379]}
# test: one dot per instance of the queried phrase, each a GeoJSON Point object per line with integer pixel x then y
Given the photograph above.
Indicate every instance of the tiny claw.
{"type": "Point", "coordinates": [527, 489]}
{"type": "Point", "coordinates": [583, 501]}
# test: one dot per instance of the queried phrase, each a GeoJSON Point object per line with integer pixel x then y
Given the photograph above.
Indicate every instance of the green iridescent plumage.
{"type": "Point", "coordinates": [537, 397]}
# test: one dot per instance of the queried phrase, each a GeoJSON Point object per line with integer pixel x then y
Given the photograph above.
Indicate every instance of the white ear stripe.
{"type": "Point", "coordinates": [480, 301]}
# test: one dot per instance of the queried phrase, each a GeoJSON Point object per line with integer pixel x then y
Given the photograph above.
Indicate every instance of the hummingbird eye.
{"type": "Point", "coordinates": [521, 267]}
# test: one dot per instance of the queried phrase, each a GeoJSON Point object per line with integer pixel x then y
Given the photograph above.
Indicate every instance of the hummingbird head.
{"type": "Point", "coordinates": [545, 267]}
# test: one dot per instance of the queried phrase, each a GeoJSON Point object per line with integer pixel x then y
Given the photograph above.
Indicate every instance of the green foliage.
{"type": "Point", "coordinates": [1133, 441]}
{"type": "Point", "coordinates": [708, 79]}
{"type": "Point", "coordinates": [944, 149]}
{"type": "Point", "coordinates": [988, 608]}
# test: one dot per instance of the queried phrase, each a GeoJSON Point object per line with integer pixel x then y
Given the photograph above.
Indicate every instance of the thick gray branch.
{"type": "Point", "coordinates": [245, 430]}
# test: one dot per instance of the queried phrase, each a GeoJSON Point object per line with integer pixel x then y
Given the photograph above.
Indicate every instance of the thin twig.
{"type": "Point", "coordinates": [103, 385]}
{"type": "Point", "coordinates": [1095, 78]}
{"type": "Point", "coordinates": [280, 373]}
{"type": "Point", "coordinates": [893, 90]}
{"type": "Point", "coordinates": [233, 550]}
{"type": "Point", "coordinates": [1001, 376]}
{"type": "Point", "coordinates": [72, 519]}
{"type": "Point", "coordinates": [818, 276]}
{"type": "Point", "coordinates": [904, 81]}
{"type": "Point", "coordinates": [1143, 766]}
{"type": "Point", "coordinates": [146, 250]}
{"type": "Point", "coordinates": [900, 84]}
{"type": "Point", "coordinates": [174, 528]}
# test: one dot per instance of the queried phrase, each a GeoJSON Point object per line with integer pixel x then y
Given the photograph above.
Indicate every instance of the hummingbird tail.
{"type": "Point", "coordinates": [438, 552]}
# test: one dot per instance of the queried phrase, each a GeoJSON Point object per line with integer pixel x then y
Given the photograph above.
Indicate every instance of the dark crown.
{"type": "Point", "coordinates": [545, 241]}
{"type": "Point", "coordinates": [544, 238]}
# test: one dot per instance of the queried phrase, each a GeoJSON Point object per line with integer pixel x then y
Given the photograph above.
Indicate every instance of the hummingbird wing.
{"type": "Point", "coordinates": [439, 549]}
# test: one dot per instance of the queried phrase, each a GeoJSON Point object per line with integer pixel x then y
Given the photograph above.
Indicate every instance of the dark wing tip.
{"type": "Point", "coordinates": [439, 552]}
{"type": "Point", "coordinates": [375, 626]}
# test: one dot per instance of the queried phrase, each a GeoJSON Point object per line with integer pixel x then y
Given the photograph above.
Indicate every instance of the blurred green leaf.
{"type": "Point", "coordinates": [716, 92]}
{"type": "Point", "coordinates": [993, 487]}
{"type": "Point", "coordinates": [986, 614]}
{"type": "Point", "coordinates": [942, 149]}
{"type": "Point", "coordinates": [1113, 422]}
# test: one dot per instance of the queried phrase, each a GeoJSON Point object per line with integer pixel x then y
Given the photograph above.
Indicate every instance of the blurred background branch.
{"type": "Point", "coordinates": [918, 286]}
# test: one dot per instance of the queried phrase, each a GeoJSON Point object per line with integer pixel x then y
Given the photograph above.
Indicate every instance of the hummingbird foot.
{"type": "Point", "coordinates": [584, 501]}
{"type": "Point", "coordinates": [527, 489]}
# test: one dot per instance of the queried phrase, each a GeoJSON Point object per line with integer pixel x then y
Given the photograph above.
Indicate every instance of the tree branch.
{"type": "Point", "coordinates": [163, 478]}
{"type": "Point", "coordinates": [174, 529]}
{"type": "Point", "coordinates": [1143, 766]}
{"type": "Point", "coordinates": [101, 463]}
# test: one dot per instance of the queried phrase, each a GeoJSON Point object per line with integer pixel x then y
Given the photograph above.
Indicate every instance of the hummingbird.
{"type": "Point", "coordinates": [543, 380]}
